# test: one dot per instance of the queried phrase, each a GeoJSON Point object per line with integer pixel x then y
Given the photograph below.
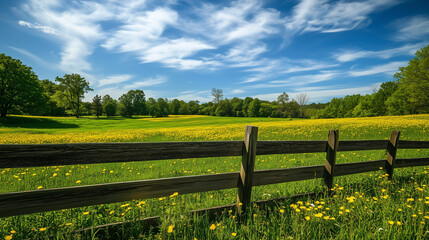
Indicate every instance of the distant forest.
{"type": "Point", "coordinates": [21, 92]}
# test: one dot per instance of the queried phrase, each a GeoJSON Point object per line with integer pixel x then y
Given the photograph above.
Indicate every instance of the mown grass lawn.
{"type": "Point", "coordinates": [364, 205]}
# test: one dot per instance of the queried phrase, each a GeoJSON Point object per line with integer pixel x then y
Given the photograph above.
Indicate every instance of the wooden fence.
{"type": "Point", "coordinates": [38, 155]}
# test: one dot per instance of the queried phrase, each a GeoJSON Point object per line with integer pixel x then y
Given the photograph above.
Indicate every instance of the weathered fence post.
{"type": "Point", "coordinates": [331, 155]}
{"type": "Point", "coordinates": [247, 167]}
{"type": "Point", "coordinates": [391, 152]}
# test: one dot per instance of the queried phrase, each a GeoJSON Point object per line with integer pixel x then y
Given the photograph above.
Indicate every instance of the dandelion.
{"type": "Point", "coordinates": [212, 227]}
{"type": "Point", "coordinates": [39, 187]}
{"type": "Point", "coordinates": [282, 210]}
{"type": "Point", "coordinates": [307, 218]}
{"type": "Point", "coordinates": [42, 229]}
{"type": "Point", "coordinates": [111, 212]}
{"type": "Point", "coordinates": [13, 231]}
{"type": "Point", "coordinates": [234, 234]}
{"type": "Point", "coordinates": [399, 223]}
{"type": "Point", "coordinates": [85, 213]}
{"type": "Point", "coordinates": [410, 199]}
{"type": "Point", "coordinates": [170, 228]}
{"type": "Point", "coordinates": [391, 222]}
{"type": "Point", "coordinates": [318, 215]}
{"type": "Point", "coordinates": [9, 237]}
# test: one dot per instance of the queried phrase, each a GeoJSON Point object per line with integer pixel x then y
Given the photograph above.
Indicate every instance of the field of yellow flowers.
{"type": "Point", "coordinates": [362, 206]}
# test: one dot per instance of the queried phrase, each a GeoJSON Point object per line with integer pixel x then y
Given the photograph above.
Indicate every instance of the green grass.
{"type": "Point", "coordinates": [90, 123]}
{"type": "Point", "coordinates": [364, 220]}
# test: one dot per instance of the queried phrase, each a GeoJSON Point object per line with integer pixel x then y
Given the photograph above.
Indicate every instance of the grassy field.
{"type": "Point", "coordinates": [364, 205]}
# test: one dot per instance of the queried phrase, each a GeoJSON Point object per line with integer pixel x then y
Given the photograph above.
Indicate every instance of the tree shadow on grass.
{"type": "Point", "coordinates": [34, 122]}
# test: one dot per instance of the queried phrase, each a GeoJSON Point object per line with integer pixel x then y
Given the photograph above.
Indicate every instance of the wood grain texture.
{"type": "Point", "coordinates": [358, 167]}
{"type": "Point", "coordinates": [272, 176]}
{"type": "Point", "coordinates": [331, 156]}
{"type": "Point", "coordinates": [36, 155]}
{"type": "Point", "coordinates": [286, 147]}
{"type": "Point", "coordinates": [359, 145]}
{"type": "Point", "coordinates": [61, 198]}
{"type": "Point", "coordinates": [391, 152]}
{"type": "Point", "coordinates": [245, 183]}
{"type": "Point", "coordinates": [411, 162]}
{"type": "Point", "coordinates": [404, 144]}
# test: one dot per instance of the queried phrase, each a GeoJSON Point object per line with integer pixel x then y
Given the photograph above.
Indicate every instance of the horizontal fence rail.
{"type": "Point", "coordinates": [38, 155]}
{"type": "Point", "coordinates": [43, 155]}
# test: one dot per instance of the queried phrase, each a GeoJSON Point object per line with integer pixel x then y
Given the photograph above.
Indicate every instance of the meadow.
{"type": "Point", "coordinates": [364, 205]}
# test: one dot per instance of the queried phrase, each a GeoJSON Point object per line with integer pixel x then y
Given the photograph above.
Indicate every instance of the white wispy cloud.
{"type": "Point", "coordinates": [45, 29]}
{"type": "Point", "coordinates": [139, 32]}
{"type": "Point", "coordinates": [414, 28]}
{"type": "Point", "coordinates": [337, 16]}
{"type": "Point", "coordinates": [237, 91]}
{"type": "Point", "coordinates": [321, 95]}
{"type": "Point", "coordinates": [270, 69]}
{"type": "Point", "coordinates": [389, 69]}
{"type": "Point", "coordinates": [350, 55]}
{"type": "Point", "coordinates": [202, 96]}
{"type": "Point", "coordinates": [146, 83]}
{"type": "Point", "coordinates": [39, 60]}
{"type": "Point", "coordinates": [76, 28]}
{"type": "Point", "coordinates": [114, 79]}
{"type": "Point", "coordinates": [307, 79]}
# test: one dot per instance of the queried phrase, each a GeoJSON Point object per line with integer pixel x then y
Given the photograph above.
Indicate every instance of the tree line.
{"type": "Point", "coordinates": [21, 92]}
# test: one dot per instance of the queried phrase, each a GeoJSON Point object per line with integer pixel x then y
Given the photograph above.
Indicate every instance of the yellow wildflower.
{"type": "Point", "coordinates": [170, 228]}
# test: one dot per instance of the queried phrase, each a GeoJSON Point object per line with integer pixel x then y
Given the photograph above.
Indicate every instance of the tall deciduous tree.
{"type": "Point", "coordinates": [132, 103]}
{"type": "Point", "coordinates": [302, 100]}
{"type": "Point", "coordinates": [71, 91]}
{"type": "Point", "coordinates": [97, 106]}
{"type": "Point", "coordinates": [109, 105]}
{"type": "Point", "coordinates": [49, 89]}
{"type": "Point", "coordinates": [414, 81]}
{"type": "Point", "coordinates": [19, 85]}
{"type": "Point", "coordinates": [217, 95]}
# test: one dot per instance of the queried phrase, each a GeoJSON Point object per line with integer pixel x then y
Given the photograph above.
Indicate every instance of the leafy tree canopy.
{"type": "Point", "coordinates": [19, 86]}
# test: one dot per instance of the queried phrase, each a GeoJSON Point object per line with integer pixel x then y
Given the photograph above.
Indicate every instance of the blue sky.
{"type": "Point", "coordinates": [183, 49]}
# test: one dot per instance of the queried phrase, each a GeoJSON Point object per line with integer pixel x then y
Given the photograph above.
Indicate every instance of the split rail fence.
{"type": "Point", "coordinates": [38, 155]}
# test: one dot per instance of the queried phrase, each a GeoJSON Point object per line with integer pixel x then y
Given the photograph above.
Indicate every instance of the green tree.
{"type": "Point", "coordinates": [109, 105]}
{"type": "Point", "coordinates": [237, 107]}
{"type": "Point", "coordinates": [253, 109]}
{"type": "Point", "coordinates": [49, 89]}
{"type": "Point", "coordinates": [224, 108]}
{"type": "Point", "coordinates": [158, 108]}
{"type": "Point", "coordinates": [266, 109]}
{"type": "Point", "coordinates": [132, 103]}
{"type": "Point", "coordinates": [246, 103]}
{"type": "Point", "coordinates": [414, 81]}
{"type": "Point", "coordinates": [174, 106]}
{"type": "Point", "coordinates": [71, 91]}
{"type": "Point", "coordinates": [97, 106]}
{"type": "Point", "coordinates": [162, 104]}
{"type": "Point", "coordinates": [184, 108]}
{"type": "Point", "coordinates": [19, 86]}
